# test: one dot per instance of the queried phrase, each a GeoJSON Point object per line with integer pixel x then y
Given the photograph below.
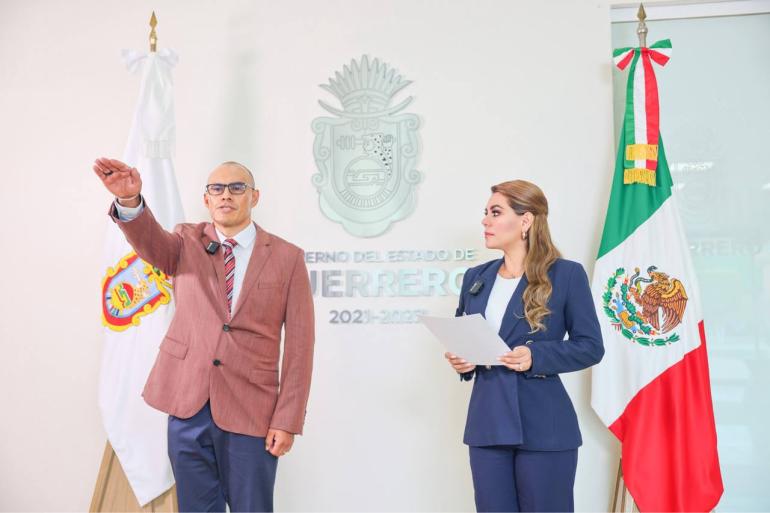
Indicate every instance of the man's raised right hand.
{"type": "Point", "coordinates": [121, 180]}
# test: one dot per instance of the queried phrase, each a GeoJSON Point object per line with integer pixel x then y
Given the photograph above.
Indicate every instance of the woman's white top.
{"type": "Point", "coordinates": [499, 298]}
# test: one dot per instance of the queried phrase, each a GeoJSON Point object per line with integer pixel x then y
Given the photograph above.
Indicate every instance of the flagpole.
{"type": "Point", "coordinates": [641, 29]}
{"type": "Point", "coordinates": [153, 34]}
{"type": "Point", "coordinates": [113, 491]}
{"type": "Point", "coordinates": [622, 500]}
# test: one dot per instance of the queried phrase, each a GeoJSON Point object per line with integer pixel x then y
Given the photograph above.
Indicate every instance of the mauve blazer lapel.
{"type": "Point", "coordinates": [259, 256]}
{"type": "Point", "coordinates": [218, 262]}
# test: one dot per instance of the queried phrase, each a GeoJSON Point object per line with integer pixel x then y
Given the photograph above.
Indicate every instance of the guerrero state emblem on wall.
{"type": "Point", "coordinates": [645, 310]}
{"type": "Point", "coordinates": [366, 155]}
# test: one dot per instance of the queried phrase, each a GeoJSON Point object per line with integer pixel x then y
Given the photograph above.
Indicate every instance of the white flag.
{"type": "Point", "coordinates": [136, 297]}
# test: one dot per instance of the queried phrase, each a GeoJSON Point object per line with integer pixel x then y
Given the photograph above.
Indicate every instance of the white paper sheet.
{"type": "Point", "coordinates": [470, 337]}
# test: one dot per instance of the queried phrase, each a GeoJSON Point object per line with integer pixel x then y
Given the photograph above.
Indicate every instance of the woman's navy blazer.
{"type": "Point", "coordinates": [532, 409]}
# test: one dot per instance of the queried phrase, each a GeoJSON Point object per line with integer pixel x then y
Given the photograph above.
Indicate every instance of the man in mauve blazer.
{"type": "Point", "coordinates": [216, 373]}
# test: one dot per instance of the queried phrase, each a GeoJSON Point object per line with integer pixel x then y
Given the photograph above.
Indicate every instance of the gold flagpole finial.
{"type": "Point", "coordinates": [153, 34]}
{"type": "Point", "coordinates": [641, 29]}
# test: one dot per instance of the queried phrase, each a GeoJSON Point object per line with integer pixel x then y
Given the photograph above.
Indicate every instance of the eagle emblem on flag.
{"type": "Point", "coordinates": [645, 309]}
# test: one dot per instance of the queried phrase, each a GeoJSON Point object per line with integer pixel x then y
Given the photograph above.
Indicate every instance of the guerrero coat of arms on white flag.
{"type": "Point", "coordinates": [136, 297]}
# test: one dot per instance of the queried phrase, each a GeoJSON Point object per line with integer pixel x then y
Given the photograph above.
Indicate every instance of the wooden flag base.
{"type": "Point", "coordinates": [113, 492]}
{"type": "Point", "coordinates": [621, 499]}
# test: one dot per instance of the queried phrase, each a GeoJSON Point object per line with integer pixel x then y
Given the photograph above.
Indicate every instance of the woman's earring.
{"type": "Point", "coordinates": [524, 235]}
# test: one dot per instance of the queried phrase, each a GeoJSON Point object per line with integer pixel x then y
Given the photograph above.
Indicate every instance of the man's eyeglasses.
{"type": "Point", "coordinates": [216, 189]}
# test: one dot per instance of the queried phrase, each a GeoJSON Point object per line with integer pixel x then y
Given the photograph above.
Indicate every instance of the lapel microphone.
{"type": "Point", "coordinates": [476, 287]}
{"type": "Point", "coordinates": [212, 247]}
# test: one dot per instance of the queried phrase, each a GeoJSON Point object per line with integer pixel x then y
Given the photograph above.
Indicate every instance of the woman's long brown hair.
{"type": "Point", "coordinates": [525, 197]}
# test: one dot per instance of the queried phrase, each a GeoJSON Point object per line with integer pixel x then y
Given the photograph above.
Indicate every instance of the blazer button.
{"type": "Point", "coordinates": [226, 327]}
{"type": "Point", "coordinates": [217, 363]}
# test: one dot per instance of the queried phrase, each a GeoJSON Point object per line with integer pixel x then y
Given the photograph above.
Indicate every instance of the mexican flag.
{"type": "Point", "coordinates": [136, 298]}
{"type": "Point", "coordinates": [652, 388]}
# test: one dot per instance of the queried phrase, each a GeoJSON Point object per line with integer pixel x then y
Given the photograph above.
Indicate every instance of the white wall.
{"type": "Point", "coordinates": [503, 89]}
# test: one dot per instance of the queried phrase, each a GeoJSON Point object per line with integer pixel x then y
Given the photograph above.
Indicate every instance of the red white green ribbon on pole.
{"type": "Point", "coordinates": [641, 123]}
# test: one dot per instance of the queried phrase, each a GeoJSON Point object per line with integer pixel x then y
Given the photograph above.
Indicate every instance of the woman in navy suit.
{"type": "Point", "coordinates": [522, 430]}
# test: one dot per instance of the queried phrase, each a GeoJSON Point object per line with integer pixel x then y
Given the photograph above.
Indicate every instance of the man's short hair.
{"type": "Point", "coordinates": [238, 164]}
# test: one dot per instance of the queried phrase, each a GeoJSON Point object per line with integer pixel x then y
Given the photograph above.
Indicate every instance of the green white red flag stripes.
{"type": "Point", "coordinates": [642, 116]}
{"type": "Point", "coordinates": [652, 388]}
{"type": "Point", "coordinates": [136, 297]}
